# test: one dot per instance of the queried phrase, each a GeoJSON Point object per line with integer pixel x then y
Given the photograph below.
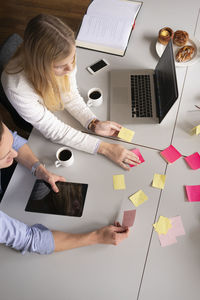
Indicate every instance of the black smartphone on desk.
{"type": "Point", "coordinates": [98, 66]}
{"type": "Point", "coordinates": [69, 201]}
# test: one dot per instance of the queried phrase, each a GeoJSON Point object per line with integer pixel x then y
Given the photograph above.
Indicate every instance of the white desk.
{"type": "Point", "coordinates": [173, 272]}
{"type": "Point", "coordinates": [189, 116]}
{"type": "Point", "coordinates": [97, 272]}
{"type": "Point", "coordinates": [141, 54]}
{"type": "Point", "coordinates": [138, 268]}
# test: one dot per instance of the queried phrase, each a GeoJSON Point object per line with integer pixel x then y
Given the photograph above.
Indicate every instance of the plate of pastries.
{"type": "Point", "coordinates": [186, 48]}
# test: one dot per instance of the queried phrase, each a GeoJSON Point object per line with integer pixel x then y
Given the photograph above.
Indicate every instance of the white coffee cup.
{"type": "Point", "coordinates": [95, 97]}
{"type": "Point", "coordinates": [64, 157]}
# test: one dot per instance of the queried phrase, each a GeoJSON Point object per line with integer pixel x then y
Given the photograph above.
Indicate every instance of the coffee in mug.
{"type": "Point", "coordinates": [95, 97]}
{"type": "Point", "coordinates": [64, 157]}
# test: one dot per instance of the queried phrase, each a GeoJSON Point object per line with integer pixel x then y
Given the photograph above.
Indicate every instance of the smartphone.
{"type": "Point", "coordinates": [98, 66]}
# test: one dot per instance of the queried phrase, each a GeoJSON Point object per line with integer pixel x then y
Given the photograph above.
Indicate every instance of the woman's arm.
{"type": "Point", "coordinates": [75, 104]}
{"type": "Point", "coordinates": [28, 104]}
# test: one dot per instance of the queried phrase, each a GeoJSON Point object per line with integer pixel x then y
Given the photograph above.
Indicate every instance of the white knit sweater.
{"type": "Point", "coordinates": [30, 107]}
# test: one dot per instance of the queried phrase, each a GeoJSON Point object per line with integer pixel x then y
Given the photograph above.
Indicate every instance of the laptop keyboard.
{"type": "Point", "coordinates": [141, 96]}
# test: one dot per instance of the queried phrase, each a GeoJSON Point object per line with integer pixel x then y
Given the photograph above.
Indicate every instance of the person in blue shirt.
{"type": "Point", "coordinates": [37, 238]}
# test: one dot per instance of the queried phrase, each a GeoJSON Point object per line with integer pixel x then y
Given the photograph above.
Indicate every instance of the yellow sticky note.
{"type": "Point", "coordinates": [159, 181]}
{"type": "Point", "coordinates": [138, 198]}
{"type": "Point", "coordinates": [119, 182]}
{"type": "Point", "coordinates": [126, 134]}
{"type": "Point", "coordinates": [196, 130]}
{"type": "Point", "coordinates": [163, 225]}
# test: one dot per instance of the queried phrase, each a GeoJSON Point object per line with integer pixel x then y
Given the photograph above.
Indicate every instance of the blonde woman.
{"type": "Point", "coordinates": [41, 78]}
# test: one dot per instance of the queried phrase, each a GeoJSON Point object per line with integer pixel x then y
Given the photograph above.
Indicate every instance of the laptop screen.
{"type": "Point", "coordinates": [165, 82]}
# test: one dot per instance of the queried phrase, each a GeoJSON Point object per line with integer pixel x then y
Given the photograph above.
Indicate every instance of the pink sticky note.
{"type": "Point", "coordinates": [193, 161]}
{"type": "Point", "coordinates": [193, 192]}
{"type": "Point", "coordinates": [167, 239]}
{"type": "Point", "coordinates": [177, 226]}
{"type": "Point", "coordinates": [170, 154]}
{"type": "Point", "coordinates": [129, 218]}
{"type": "Point", "coordinates": [137, 152]}
{"type": "Point", "coordinates": [177, 229]}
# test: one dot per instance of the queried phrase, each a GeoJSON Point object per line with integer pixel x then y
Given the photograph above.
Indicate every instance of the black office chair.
{"type": "Point", "coordinates": [7, 49]}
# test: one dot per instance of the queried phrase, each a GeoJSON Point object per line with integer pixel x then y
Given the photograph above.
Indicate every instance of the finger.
{"type": "Point", "coordinates": [115, 127]}
{"type": "Point", "coordinates": [54, 186]}
{"type": "Point", "coordinates": [117, 124]}
{"type": "Point", "coordinates": [115, 133]}
{"type": "Point", "coordinates": [60, 178]}
{"type": "Point", "coordinates": [119, 229]}
{"type": "Point", "coordinates": [117, 224]}
{"type": "Point", "coordinates": [132, 154]}
{"type": "Point", "coordinates": [130, 162]}
{"type": "Point", "coordinates": [133, 158]}
{"type": "Point", "coordinates": [124, 166]}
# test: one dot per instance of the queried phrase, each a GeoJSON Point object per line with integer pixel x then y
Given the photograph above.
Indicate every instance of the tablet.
{"type": "Point", "coordinates": [69, 201]}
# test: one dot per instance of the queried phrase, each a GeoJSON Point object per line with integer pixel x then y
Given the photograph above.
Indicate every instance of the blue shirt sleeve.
{"type": "Point", "coordinates": [36, 238]}
{"type": "Point", "coordinates": [18, 141]}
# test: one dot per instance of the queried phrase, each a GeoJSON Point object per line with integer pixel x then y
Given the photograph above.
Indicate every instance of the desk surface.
{"type": "Point", "coordinates": [141, 54]}
{"type": "Point", "coordinates": [86, 270]}
{"type": "Point", "coordinates": [138, 268]}
{"type": "Point", "coordinates": [173, 272]}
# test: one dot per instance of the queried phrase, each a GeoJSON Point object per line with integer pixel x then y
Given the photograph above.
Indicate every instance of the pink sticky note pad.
{"type": "Point", "coordinates": [129, 218]}
{"type": "Point", "coordinates": [167, 239]}
{"type": "Point", "coordinates": [177, 226]}
{"type": "Point", "coordinates": [137, 152]}
{"type": "Point", "coordinates": [170, 154]}
{"type": "Point", "coordinates": [193, 192]}
{"type": "Point", "coordinates": [193, 161]}
{"type": "Point", "coordinates": [177, 229]}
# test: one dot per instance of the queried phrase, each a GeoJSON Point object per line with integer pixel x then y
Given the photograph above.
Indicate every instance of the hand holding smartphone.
{"type": "Point", "coordinates": [98, 66]}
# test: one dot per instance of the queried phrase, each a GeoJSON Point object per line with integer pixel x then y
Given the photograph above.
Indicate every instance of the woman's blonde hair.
{"type": "Point", "coordinates": [46, 39]}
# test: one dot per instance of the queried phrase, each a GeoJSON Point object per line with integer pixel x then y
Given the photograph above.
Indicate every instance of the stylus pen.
{"type": "Point", "coordinates": [119, 215]}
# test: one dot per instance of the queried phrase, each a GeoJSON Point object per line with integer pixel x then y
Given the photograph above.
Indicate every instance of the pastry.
{"type": "Point", "coordinates": [165, 34]}
{"type": "Point", "coordinates": [180, 38]}
{"type": "Point", "coordinates": [185, 54]}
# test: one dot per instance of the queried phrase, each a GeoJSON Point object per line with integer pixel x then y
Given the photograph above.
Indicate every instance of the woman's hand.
{"type": "Point", "coordinates": [112, 234]}
{"type": "Point", "coordinates": [119, 154]}
{"type": "Point", "coordinates": [51, 178]}
{"type": "Point", "coordinates": [107, 128]}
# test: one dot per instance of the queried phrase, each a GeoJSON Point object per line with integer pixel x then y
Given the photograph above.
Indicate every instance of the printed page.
{"type": "Point", "coordinates": [116, 8]}
{"type": "Point", "coordinates": [105, 31]}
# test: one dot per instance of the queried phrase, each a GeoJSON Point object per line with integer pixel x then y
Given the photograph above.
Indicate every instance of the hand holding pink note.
{"type": "Point", "coordinates": [137, 152]}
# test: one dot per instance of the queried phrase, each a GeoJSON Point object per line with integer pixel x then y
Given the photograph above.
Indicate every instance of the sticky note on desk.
{"type": "Point", "coordinates": [193, 161]}
{"type": "Point", "coordinates": [177, 226]}
{"type": "Point", "coordinates": [126, 134]}
{"type": "Point", "coordinates": [193, 193]}
{"type": "Point", "coordinates": [170, 154]}
{"type": "Point", "coordinates": [119, 182]}
{"type": "Point", "coordinates": [138, 198]}
{"type": "Point", "coordinates": [128, 218]}
{"type": "Point", "coordinates": [163, 225]}
{"type": "Point", "coordinates": [159, 181]}
{"type": "Point", "coordinates": [196, 130]}
{"type": "Point", "coordinates": [177, 229]}
{"type": "Point", "coordinates": [137, 152]}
